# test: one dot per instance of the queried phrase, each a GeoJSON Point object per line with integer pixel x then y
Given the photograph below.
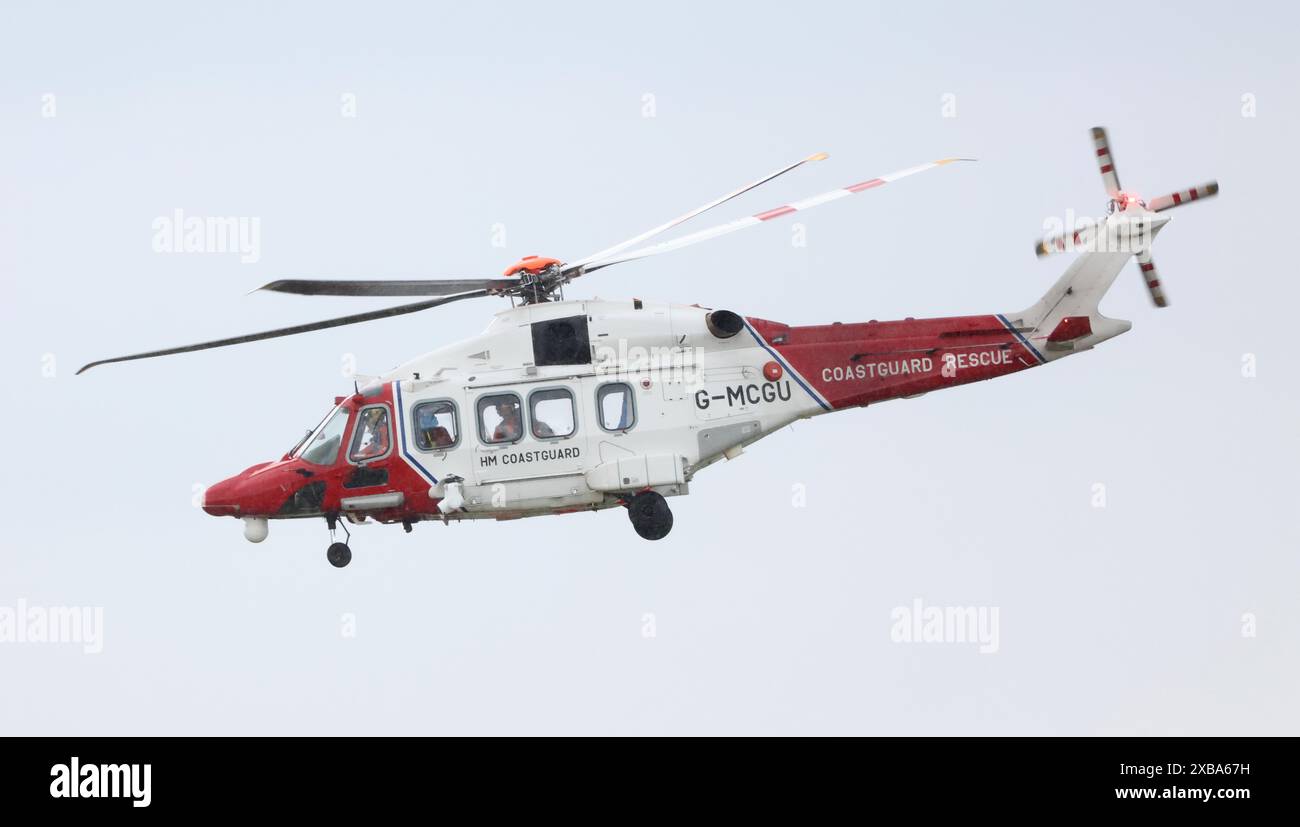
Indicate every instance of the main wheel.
{"type": "Point", "coordinates": [338, 554]}
{"type": "Point", "coordinates": [650, 515]}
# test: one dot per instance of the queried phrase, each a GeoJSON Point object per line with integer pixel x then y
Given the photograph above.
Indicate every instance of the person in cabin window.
{"type": "Point", "coordinates": [511, 426]}
{"type": "Point", "coordinates": [374, 434]}
{"type": "Point", "coordinates": [432, 433]}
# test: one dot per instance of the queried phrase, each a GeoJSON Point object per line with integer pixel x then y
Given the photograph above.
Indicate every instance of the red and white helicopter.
{"type": "Point", "coordinates": [581, 405]}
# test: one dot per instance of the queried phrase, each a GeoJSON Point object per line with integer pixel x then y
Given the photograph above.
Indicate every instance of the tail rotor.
{"type": "Point", "coordinates": [1123, 205]}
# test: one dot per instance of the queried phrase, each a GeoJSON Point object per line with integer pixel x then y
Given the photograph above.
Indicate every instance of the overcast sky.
{"type": "Point", "coordinates": [387, 140]}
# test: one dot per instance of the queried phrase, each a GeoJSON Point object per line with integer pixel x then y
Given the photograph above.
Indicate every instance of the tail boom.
{"type": "Point", "coordinates": [851, 365]}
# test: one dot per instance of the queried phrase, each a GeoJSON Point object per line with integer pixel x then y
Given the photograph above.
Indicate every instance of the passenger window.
{"type": "Point", "coordinates": [551, 413]}
{"type": "Point", "coordinates": [435, 425]}
{"type": "Point", "coordinates": [616, 408]}
{"type": "Point", "coordinates": [500, 418]}
{"type": "Point", "coordinates": [370, 438]}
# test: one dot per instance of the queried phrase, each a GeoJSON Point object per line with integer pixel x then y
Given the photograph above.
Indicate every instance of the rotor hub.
{"type": "Point", "coordinates": [533, 265]}
{"type": "Point", "coordinates": [1124, 201]}
{"type": "Point", "coordinates": [538, 277]}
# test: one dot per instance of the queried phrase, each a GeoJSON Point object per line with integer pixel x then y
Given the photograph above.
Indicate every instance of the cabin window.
{"type": "Point", "coordinates": [324, 446]}
{"type": "Point", "coordinates": [551, 413]}
{"type": "Point", "coordinates": [500, 418]}
{"type": "Point", "coordinates": [615, 406]}
{"type": "Point", "coordinates": [370, 437]}
{"type": "Point", "coordinates": [436, 426]}
{"type": "Point", "coordinates": [561, 342]}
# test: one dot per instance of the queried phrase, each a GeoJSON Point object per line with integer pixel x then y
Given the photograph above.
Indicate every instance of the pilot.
{"type": "Point", "coordinates": [432, 434]}
{"type": "Point", "coordinates": [374, 434]}
{"type": "Point", "coordinates": [511, 427]}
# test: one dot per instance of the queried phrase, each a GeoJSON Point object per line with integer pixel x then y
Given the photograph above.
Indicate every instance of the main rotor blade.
{"type": "Point", "coordinates": [387, 287]}
{"type": "Point", "coordinates": [400, 310]}
{"type": "Point", "coordinates": [623, 245]}
{"type": "Point", "coordinates": [1168, 202]}
{"type": "Point", "coordinates": [1109, 177]}
{"type": "Point", "coordinates": [768, 215]}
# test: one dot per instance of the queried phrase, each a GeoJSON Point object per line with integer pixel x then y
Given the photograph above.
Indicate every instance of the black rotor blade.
{"type": "Point", "coordinates": [399, 310]}
{"type": "Point", "coordinates": [387, 287]}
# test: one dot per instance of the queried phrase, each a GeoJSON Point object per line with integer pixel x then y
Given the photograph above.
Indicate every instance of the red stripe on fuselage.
{"type": "Point", "coordinates": [865, 363]}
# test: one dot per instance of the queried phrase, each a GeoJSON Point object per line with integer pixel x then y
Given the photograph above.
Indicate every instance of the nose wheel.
{"type": "Point", "coordinates": [339, 554]}
{"type": "Point", "coordinates": [650, 515]}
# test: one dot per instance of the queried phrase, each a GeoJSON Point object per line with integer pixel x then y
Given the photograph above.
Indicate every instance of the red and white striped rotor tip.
{"type": "Point", "coordinates": [1109, 177]}
{"type": "Point", "coordinates": [768, 215]}
{"type": "Point", "coordinates": [1151, 276]}
{"type": "Point", "coordinates": [610, 252]}
{"type": "Point", "coordinates": [1168, 202]}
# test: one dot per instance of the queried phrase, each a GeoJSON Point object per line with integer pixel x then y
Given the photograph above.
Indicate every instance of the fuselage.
{"type": "Point", "coordinates": [577, 405]}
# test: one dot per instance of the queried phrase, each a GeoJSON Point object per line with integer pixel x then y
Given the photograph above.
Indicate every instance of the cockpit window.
{"type": "Point", "coordinates": [324, 446]}
{"type": "Point", "coordinates": [370, 439]}
{"type": "Point", "coordinates": [297, 446]}
{"type": "Point", "coordinates": [296, 451]}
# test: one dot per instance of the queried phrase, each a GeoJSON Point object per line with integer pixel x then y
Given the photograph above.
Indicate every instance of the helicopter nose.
{"type": "Point", "coordinates": [221, 499]}
{"type": "Point", "coordinates": [246, 494]}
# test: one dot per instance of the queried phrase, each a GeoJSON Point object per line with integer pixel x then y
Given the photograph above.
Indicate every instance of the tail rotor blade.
{"type": "Point", "coordinates": [355, 318]}
{"type": "Point", "coordinates": [648, 234]}
{"type": "Point", "coordinates": [1065, 242]}
{"type": "Point", "coordinates": [767, 215]}
{"type": "Point", "coordinates": [1151, 276]}
{"type": "Point", "coordinates": [1109, 177]}
{"type": "Point", "coordinates": [1168, 202]}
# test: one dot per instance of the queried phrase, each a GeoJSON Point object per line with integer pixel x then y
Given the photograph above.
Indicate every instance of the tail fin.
{"type": "Point", "coordinates": [1066, 319]}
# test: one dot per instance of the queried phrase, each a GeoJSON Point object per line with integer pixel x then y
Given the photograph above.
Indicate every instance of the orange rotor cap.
{"type": "Point", "coordinates": [531, 264]}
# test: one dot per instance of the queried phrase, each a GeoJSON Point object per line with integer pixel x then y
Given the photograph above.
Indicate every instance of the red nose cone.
{"type": "Point", "coordinates": [255, 492]}
{"type": "Point", "coordinates": [222, 500]}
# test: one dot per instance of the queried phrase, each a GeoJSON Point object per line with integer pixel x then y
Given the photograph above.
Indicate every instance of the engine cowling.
{"type": "Point", "coordinates": [724, 324]}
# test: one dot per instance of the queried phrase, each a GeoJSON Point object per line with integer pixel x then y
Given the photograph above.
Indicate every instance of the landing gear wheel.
{"type": "Point", "coordinates": [650, 515]}
{"type": "Point", "coordinates": [338, 554]}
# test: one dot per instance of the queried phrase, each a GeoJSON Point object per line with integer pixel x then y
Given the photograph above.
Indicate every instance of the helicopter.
{"type": "Point", "coordinates": [564, 406]}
